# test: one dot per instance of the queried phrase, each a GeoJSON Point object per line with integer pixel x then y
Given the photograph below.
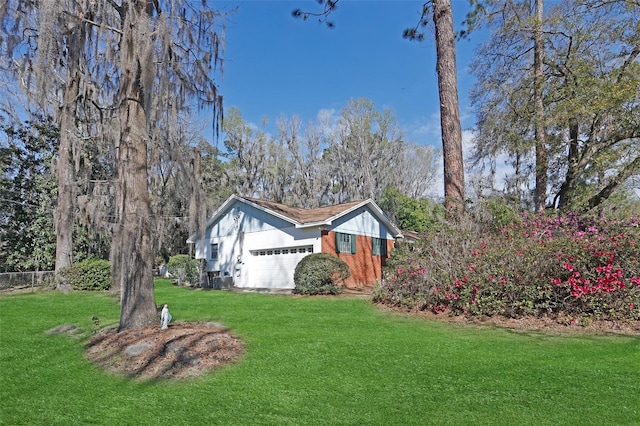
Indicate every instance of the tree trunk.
{"type": "Point", "coordinates": [454, 192]}
{"type": "Point", "coordinates": [196, 201]}
{"type": "Point", "coordinates": [539, 127]}
{"type": "Point", "coordinates": [64, 213]}
{"type": "Point", "coordinates": [131, 256]}
{"type": "Point", "coordinates": [597, 199]}
{"type": "Point", "coordinates": [566, 190]}
{"type": "Point", "coordinates": [66, 193]}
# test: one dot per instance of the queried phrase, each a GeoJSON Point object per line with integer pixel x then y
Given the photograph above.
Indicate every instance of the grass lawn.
{"type": "Point", "coordinates": [315, 361]}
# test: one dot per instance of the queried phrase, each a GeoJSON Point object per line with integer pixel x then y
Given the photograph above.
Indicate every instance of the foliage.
{"type": "Point", "coordinates": [354, 158]}
{"type": "Point", "coordinates": [590, 105]}
{"type": "Point", "coordinates": [410, 214]}
{"type": "Point", "coordinates": [27, 193]}
{"type": "Point", "coordinates": [90, 274]}
{"type": "Point", "coordinates": [495, 213]}
{"type": "Point", "coordinates": [184, 267]}
{"type": "Point", "coordinates": [320, 273]}
{"type": "Point", "coordinates": [569, 267]}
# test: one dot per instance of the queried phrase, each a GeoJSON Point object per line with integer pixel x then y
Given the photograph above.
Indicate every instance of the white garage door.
{"type": "Point", "coordinates": [274, 268]}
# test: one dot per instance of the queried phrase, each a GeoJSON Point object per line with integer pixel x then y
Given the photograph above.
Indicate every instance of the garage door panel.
{"type": "Point", "coordinates": [274, 268]}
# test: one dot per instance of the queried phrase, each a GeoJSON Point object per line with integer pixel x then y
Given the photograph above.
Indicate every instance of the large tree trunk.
{"type": "Point", "coordinates": [539, 127]}
{"type": "Point", "coordinates": [66, 194]}
{"type": "Point", "coordinates": [454, 192]}
{"type": "Point", "coordinates": [131, 253]}
{"type": "Point", "coordinates": [64, 213]}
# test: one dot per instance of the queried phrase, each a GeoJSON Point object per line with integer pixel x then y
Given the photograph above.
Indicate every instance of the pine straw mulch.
{"type": "Point", "coordinates": [182, 351]}
{"type": "Point", "coordinates": [532, 324]}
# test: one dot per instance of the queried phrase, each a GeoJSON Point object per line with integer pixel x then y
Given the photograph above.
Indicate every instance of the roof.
{"type": "Point", "coordinates": [303, 218]}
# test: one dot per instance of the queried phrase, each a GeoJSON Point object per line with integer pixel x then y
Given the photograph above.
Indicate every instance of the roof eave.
{"type": "Point", "coordinates": [313, 224]}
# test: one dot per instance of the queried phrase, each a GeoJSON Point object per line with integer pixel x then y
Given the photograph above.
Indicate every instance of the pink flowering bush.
{"type": "Point", "coordinates": [569, 267]}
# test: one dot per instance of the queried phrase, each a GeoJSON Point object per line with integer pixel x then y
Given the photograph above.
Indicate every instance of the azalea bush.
{"type": "Point", "coordinates": [570, 267]}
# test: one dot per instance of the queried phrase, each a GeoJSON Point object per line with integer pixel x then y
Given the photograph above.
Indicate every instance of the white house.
{"type": "Point", "coordinates": [257, 243]}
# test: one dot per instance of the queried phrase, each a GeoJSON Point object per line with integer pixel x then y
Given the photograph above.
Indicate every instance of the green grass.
{"type": "Point", "coordinates": [315, 361]}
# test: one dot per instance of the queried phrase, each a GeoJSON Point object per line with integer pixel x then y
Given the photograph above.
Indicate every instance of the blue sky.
{"type": "Point", "coordinates": [277, 65]}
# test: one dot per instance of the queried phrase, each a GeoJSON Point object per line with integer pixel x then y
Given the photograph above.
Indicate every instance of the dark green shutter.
{"type": "Point", "coordinates": [337, 242]}
{"type": "Point", "coordinates": [353, 243]}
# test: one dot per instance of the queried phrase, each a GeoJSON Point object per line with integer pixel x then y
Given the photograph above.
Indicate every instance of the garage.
{"type": "Point", "coordinates": [273, 268]}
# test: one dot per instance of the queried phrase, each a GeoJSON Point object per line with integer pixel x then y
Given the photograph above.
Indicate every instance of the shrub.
{"type": "Point", "coordinates": [183, 267]}
{"type": "Point", "coordinates": [570, 267]}
{"type": "Point", "coordinates": [320, 273]}
{"type": "Point", "coordinates": [90, 274]}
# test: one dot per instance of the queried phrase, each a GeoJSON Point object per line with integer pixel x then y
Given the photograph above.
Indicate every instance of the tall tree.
{"type": "Point", "coordinates": [48, 61]}
{"type": "Point", "coordinates": [131, 258]}
{"type": "Point", "coordinates": [590, 86]}
{"type": "Point", "coordinates": [454, 191]}
{"type": "Point", "coordinates": [539, 125]}
{"type": "Point", "coordinates": [184, 40]}
{"type": "Point", "coordinates": [310, 184]}
{"type": "Point", "coordinates": [442, 15]}
{"type": "Point", "coordinates": [143, 63]}
{"type": "Point", "coordinates": [246, 149]}
{"type": "Point", "coordinates": [363, 152]}
{"type": "Point", "coordinates": [27, 190]}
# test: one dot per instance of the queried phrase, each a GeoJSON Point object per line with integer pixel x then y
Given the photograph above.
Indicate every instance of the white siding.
{"type": "Point", "coordinates": [242, 229]}
{"type": "Point", "coordinates": [362, 222]}
{"type": "Point", "coordinates": [239, 217]}
{"type": "Point", "coordinates": [275, 271]}
{"type": "Point", "coordinates": [228, 247]}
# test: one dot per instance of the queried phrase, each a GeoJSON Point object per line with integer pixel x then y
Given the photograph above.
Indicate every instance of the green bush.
{"type": "Point", "coordinates": [90, 274]}
{"type": "Point", "coordinates": [320, 273]}
{"type": "Point", "coordinates": [183, 267]}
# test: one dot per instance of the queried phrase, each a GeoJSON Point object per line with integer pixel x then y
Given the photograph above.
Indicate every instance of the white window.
{"type": "Point", "coordinates": [282, 251]}
{"type": "Point", "coordinates": [214, 251]}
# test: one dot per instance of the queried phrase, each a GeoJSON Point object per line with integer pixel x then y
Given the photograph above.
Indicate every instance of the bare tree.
{"type": "Point", "coordinates": [246, 149]}
{"type": "Point", "coordinates": [359, 156]}
{"type": "Point", "coordinates": [310, 183]}
{"type": "Point", "coordinates": [442, 14]}
{"type": "Point", "coordinates": [363, 152]}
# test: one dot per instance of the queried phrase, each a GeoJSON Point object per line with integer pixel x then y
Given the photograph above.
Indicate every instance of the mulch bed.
{"type": "Point", "coordinates": [183, 350]}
